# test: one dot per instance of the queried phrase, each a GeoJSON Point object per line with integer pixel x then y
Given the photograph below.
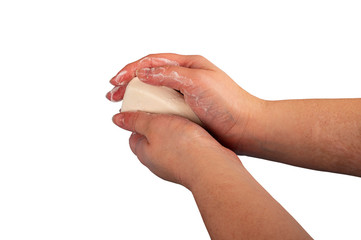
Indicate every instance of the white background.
{"type": "Point", "coordinates": [66, 171]}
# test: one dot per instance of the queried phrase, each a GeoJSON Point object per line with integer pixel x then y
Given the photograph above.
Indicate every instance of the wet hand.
{"type": "Point", "coordinates": [224, 108]}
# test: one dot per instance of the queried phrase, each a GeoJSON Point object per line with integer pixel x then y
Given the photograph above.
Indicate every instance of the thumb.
{"type": "Point", "coordinates": [176, 77]}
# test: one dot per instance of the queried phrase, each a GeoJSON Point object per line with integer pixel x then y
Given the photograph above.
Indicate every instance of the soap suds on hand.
{"type": "Point", "coordinates": [140, 96]}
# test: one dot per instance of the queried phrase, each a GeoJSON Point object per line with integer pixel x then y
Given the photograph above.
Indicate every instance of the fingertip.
{"type": "Point", "coordinates": [119, 77]}
{"type": "Point", "coordinates": [107, 96]}
{"type": "Point", "coordinates": [115, 82]}
{"type": "Point", "coordinates": [112, 81]}
{"type": "Point", "coordinates": [116, 94]}
{"type": "Point", "coordinates": [118, 119]}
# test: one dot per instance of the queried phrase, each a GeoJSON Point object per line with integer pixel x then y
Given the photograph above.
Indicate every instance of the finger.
{"type": "Point", "coordinates": [179, 78]}
{"type": "Point", "coordinates": [138, 144]}
{"type": "Point", "coordinates": [176, 77]}
{"type": "Point", "coordinates": [157, 60]}
{"type": "Point", "coordinates": [128, 72]}
{"type": "Point", "coordinates": [116, 94]}
{"type": "Point", "coordinates": [138, 122]}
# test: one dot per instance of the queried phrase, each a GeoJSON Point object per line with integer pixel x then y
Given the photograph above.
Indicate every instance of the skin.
{"type": "Point", "coordinates": [233, 205]}
{"type": "Point", "coordinates": [322, 134]}
{"type": "Point", "coordinates": [203, 86]}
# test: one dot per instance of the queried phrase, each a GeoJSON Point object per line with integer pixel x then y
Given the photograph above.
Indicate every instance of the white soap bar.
{"type": "Point", "coordinates": [140, 96]}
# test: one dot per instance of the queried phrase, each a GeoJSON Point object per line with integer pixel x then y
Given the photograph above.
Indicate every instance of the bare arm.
{"type": "Point", "coordinates": [234, 206]}
{"type": "Point", "coordinates": [318, 134]}
{"type": "Point", "coordinates": [322, 134]}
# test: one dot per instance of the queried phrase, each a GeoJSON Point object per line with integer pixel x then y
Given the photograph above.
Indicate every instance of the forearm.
{"type": "Point", "coordinates": [234, 206]}
{"type": "Point", "coordinates": [322, 134]}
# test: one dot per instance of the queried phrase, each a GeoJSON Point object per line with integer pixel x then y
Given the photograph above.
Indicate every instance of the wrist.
{"type": "Point", "coordinates": [215, 165]}
{"type": "Point", "coordinates": [251, 130]}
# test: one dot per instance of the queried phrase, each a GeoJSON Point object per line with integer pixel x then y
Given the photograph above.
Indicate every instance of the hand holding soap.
{"type": "Point", "coordinates": [140, 96]}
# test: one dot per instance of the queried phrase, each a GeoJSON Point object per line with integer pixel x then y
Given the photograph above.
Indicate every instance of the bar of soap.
{"type": "Point", "coordinates": [140, 96]}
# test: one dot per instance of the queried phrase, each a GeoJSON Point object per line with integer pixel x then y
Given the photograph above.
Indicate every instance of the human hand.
{"type": "Point", "coordinates": [179, 152]}
{"type": "Point", "coordinates": [225, 109]}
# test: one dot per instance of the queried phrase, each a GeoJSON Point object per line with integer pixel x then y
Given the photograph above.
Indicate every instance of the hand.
{"type": "Point", "coordinates": [179, 152]}
{"type": "Point", "coordinates": [225, 109]}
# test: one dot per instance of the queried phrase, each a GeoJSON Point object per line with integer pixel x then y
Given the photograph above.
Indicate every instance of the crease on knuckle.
{"type": "Point", "coordinates": [134, 122]}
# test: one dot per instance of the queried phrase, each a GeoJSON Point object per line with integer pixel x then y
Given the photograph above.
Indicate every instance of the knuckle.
{"type": "Point", "coordinates": [145, 60]}
{"type": "Point", "coordinates": [168, 68]}
{"type": "Point", "coordinates": [142, 60]}
{"type": "Point", "coordinates": [134, 122]}
{"type": "Point", "coordinates": [198, 73]}
{"type": "Point", "coordinates": [180, 123]}
{"type": "Point", "coordinates": [157, 120]}
{"type": "Point", "coordinates": [149, 57]}
{"type": "Point", "coordinates": [129, 65]}
{"type": "Point", "coordinates": [149, 126]}
{"type": "Point", "coordinates": [198, 57]}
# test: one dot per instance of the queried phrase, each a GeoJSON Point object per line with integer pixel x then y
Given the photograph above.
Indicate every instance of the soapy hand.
{"type": "Point", "coordinates": [223, 107]}
{"type": "Point", "coordinates": [176, 153]}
